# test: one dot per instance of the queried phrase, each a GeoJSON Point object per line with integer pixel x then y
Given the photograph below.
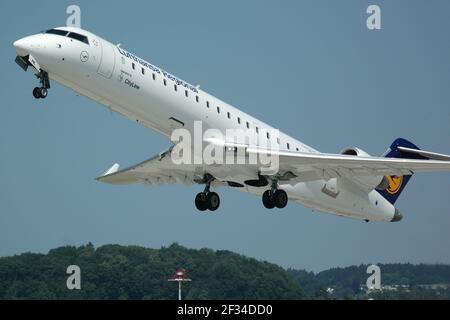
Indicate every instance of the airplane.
{"type": "Point", "coordinates": [352, 184]}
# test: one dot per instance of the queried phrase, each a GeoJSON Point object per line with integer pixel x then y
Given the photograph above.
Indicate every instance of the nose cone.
{"type": "Point", "coordinates": [28, 45]}
{"type": "Point", "coordinates": [23, 46]}
{"type": "Point", "coordinates": [397, 216]}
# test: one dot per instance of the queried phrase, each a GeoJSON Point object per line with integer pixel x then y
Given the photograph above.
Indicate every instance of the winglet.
{"type": "Point", "coordinates": [112, 170]}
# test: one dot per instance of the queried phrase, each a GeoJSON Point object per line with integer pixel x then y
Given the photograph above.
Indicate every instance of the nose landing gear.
{"type": "Point", "coordinates": [42, 91]}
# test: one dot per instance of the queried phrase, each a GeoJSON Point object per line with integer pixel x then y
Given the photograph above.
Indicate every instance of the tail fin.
{"type": "Point", "coordinates": [398, 183]}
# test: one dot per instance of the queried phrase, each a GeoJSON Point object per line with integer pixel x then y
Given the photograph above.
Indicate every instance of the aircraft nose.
{"type": "Point", "coordinates": [23, 46]}
{"type": "Point", "coordinates": [30, 45]}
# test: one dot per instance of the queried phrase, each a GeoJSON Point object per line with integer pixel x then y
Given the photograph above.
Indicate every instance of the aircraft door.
{"type": "Point", "coordinates": [108, 60]}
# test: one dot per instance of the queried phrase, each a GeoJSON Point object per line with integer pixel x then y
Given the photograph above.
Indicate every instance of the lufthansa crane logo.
{"type": "Point", "coordinates": [395, 183]}
{"type": "Point", "coordinates": [84, 56]}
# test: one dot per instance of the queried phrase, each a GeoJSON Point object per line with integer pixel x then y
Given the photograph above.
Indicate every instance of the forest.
{"type": "Point", "coordinates": [133, 272]}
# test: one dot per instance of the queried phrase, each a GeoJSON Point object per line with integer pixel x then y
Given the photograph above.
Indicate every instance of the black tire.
{"type": "Point", "coordinates": [43, 92]}
{"type": "Point", "coordinates": [280, 198]}
{"type": "Point", "coordinates": [36, 93]}
{"type": "Point", "coordinates": [213, 201]}
{"type": "Point", "coordinates": [267, 199]}
{"type": "Point", "coordinates": [200, 202]}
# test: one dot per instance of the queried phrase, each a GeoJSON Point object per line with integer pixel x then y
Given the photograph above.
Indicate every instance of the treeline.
{"type": "Point", "coordinates": [131, 272]}
{"type": "Point", "coordinates": [398, 281]}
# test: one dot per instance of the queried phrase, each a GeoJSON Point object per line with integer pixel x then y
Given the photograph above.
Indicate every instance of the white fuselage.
{"type": "Point", "coordinates": [146, 94]}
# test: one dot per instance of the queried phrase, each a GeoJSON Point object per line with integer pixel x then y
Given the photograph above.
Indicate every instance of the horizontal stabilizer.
{"type": "Point", "coordinates": [408, 151]}
{"type": "Point", "coordinates": [425, 154]}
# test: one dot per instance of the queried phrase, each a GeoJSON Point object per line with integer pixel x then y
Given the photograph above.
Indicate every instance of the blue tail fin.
{"type": "Point", "coordinates": [397, 184]}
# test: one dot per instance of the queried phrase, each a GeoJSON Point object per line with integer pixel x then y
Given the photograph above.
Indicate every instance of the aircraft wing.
{"type": "Point", "coordinates": [155, 171]}
{"type": "Point", "coordinates": [315, 166]}
{"type": "Point", "coordinates": [294, 167]}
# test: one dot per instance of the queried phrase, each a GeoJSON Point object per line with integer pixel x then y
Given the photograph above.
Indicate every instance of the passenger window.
{"type": "Point", "coordinates": [175, 87]}
{"type": "Point", "coordinates": [133, 65]}
{"type": "Point", "coordinates": [165, 82]}
{"type": "Point", "coordinates": [248, 125]}
{"type": "Point", "coordinates": [186, 93]}
{"type": "Point", "coordinates": [257, 129]}
{"type": "Point", "coordinates": [288, 146]}
{"type": "Point", "coordinates": [228, 115]}
{"type": "Point", "coordinates": [196, 99]}
{"type": "Point", "coordinates": [154, 76]}
{"type": "Point", "coordinates": [296, 149]}
{"type": "Point", "coordinates": [268, 135]}
{"type": "Point", "coordinates": [143, 71]}
{"type": "Point", "coordinates": [239, 120]}
{"type": "Point", "coordinates": [207, 104]}
{"type": "Point", "coordinates": [218, 109]}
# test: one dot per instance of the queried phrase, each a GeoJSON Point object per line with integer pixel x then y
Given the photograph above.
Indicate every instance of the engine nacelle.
{"type": "Point", "coordinates": [367, 182]}
{"type": "Point", "coordinates": [353, 151]}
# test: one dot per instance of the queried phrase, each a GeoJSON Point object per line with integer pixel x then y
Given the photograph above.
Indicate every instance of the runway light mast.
{"type": "Point", "coordinates": [180, 276]}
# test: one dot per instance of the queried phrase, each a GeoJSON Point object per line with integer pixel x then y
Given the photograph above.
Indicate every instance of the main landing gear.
{"type": "Point", "coordinates": [42, 91]}
{"type": "Point", "coordinates": [207, 200]}
{"type": "Point", "coordinates": [275, 197]}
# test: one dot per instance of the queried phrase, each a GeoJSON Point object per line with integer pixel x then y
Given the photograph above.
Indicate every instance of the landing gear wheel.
{"type": "Point", "coordinates": [206, 199]}
{"type": "Point", "coordinates": [36, 93]}
{"type": "Point", "coordinates": [213, 201]}
{"type": "Point", "coordinates": [200, 202]}
{"type": "Point", "coordinates": [267, 199]}
{"type": "Point", "coordinates": [43, 92]}
{"type": "Point", "coordinates": [280, 199]}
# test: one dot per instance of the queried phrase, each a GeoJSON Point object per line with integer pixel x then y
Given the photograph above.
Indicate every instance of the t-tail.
{"type": "Point", "coordinates": [402, 148]}
{"type": "Point", "coordinates": [398, 183]}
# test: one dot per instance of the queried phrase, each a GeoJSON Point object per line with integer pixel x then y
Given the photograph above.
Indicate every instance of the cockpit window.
{"type": "Point", "coordinates": [78, 37]}
{"type": "Point", "coordinates": [72, 35]}
{"type": "Point", "coordinates": [58, 32]}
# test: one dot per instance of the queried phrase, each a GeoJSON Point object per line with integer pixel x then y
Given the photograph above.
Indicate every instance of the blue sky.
{"type": "Point", "coordinates": [310, 68]}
